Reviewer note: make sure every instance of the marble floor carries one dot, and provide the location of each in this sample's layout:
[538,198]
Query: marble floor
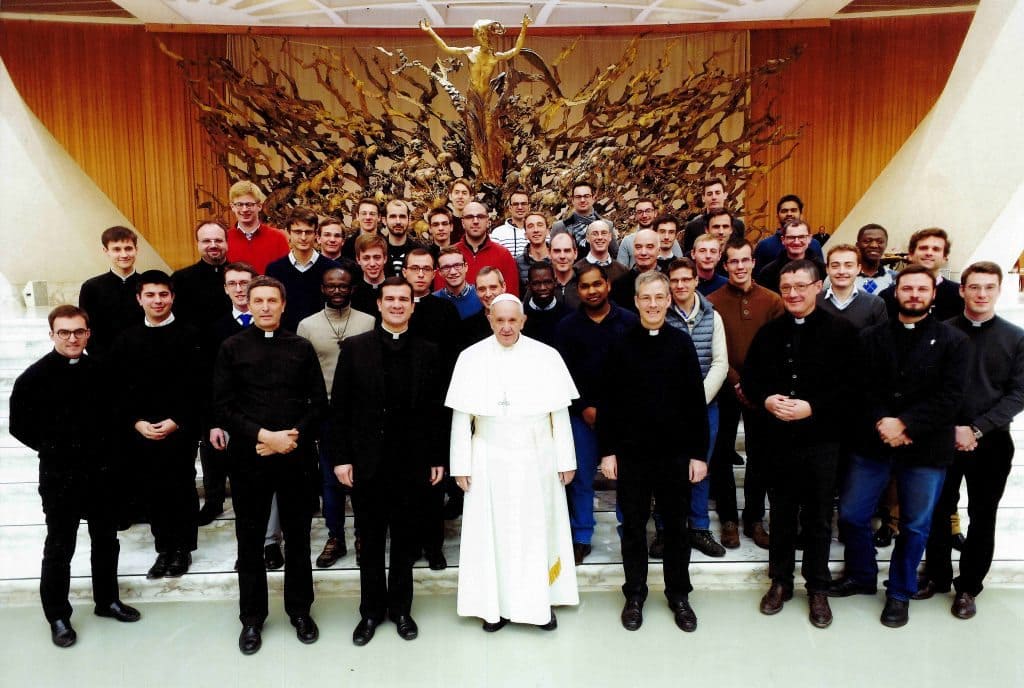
[190,644]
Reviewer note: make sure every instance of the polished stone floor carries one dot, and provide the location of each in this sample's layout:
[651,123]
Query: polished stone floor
[193,644]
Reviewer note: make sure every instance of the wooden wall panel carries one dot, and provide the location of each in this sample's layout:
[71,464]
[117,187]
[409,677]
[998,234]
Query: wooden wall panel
[120,108]
[861,87]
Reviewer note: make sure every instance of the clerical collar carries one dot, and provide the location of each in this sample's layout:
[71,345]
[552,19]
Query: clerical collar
[268,334]
[550,307]
[394,335]
[73,361]
[125,278]
[909,326]
[653,333]
[165,323]
[799,321]
[978,323]
[302,267]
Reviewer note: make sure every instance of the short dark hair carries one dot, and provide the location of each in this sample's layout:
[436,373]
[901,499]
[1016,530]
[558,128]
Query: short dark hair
[347,265]
[664,219]
[715,213]
[645,199]
[239,266]
[807,266]
[118,233]
[67,311]
[154,277]
[419,251]
[329,220]
[711,181]
[870,226]
[537,267]
[582,182]
[304,215]
[736,243]
[930,232]
[264,281]
[587,266]
[443,210]
[793,222]
[393,281]
[679,263]
[914,269]
[789,198]
[203,223]
[982,267]
[368,201]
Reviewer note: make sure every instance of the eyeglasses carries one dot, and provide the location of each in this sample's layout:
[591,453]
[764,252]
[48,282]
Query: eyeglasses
[419,269]
[336,287]
[245,205]
[800,237]
[793,288]
[474,217]
[644,211]
[302,232]
[237,285]
[452,267]
[78,334]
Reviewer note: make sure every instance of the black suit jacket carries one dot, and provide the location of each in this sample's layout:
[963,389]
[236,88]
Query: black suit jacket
[360,419]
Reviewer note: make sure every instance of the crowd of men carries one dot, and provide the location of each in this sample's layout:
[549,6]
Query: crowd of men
[315,362]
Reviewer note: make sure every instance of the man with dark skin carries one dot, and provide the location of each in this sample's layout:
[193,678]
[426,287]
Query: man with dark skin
[543,311]
[874,277]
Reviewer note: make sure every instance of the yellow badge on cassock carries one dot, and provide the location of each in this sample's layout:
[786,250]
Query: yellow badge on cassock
[555,571]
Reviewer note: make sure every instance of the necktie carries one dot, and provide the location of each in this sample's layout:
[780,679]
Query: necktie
[245,319]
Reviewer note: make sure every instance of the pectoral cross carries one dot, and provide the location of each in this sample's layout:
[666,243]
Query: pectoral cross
[504,401]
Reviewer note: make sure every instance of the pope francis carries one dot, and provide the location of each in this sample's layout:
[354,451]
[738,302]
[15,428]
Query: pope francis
[512,453]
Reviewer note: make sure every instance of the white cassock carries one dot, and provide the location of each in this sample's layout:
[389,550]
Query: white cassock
[511,435]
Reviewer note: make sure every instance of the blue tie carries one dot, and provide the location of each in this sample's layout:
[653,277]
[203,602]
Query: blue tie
[245,319]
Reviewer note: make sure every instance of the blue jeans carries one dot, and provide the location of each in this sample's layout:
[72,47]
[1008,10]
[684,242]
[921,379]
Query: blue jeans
[581,490]
[333,492]
[918,488]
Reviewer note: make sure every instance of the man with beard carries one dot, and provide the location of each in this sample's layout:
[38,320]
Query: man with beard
[480,251]
[326,330]
[915,368]
[583,339]
[930,248]
[199,296]
[399,242]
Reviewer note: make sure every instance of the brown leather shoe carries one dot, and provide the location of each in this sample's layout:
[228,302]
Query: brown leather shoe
[334,549]
[773,600]
[757,533]
[730,535]
[821,613]
[963,606]
[927,589]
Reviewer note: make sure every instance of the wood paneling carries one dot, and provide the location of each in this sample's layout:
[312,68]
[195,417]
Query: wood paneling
[860,88]
[120,108]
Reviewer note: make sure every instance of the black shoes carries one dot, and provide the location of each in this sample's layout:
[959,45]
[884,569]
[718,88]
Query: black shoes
[496,626]
[364,631]
[273,559]
[927,589]
[703,541]
[159,567]
[62,634]
[250,640]
[178,564]
[632,616]
[118,610]
[580,552]
[209,513]
[407,628]
[896,613]
[436,560]
[334,549]
[685,617]
[820,613]
[657,548]
[963,606]
[957,541]
[305,629]
[845,587]
[883,536]
[550,625]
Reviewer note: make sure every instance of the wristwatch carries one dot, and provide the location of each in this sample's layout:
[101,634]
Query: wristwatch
[977,433]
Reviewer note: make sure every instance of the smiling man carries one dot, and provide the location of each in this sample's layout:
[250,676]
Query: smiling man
[645,256]
[158,410]
[714,197]
[250,240]
[387,444]
[930,248]
[480,251]
[872,240]
[543,311]
[583,213]
[841,296]
[665,391]
[791,379]
[326,330]
[109,299]
[58,410]
[302,270]
[366,222]
[512,454]
[332,238]
[199,296]
[270,398]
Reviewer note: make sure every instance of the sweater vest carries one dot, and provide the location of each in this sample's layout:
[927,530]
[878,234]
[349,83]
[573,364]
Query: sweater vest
[702,333]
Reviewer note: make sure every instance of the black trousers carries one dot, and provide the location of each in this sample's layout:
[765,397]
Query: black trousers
[985,470]
[254,480]
[755,478]
[381,507]
[169,484]
[802,487]
[723,480]
[215,472]
[668,482]
[67,496]
[432,523]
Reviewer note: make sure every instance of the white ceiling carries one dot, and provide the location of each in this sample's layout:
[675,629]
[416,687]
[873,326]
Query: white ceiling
[461,13]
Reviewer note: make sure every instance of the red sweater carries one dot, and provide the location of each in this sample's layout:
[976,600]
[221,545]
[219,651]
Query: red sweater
[490,253]
[267,245]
